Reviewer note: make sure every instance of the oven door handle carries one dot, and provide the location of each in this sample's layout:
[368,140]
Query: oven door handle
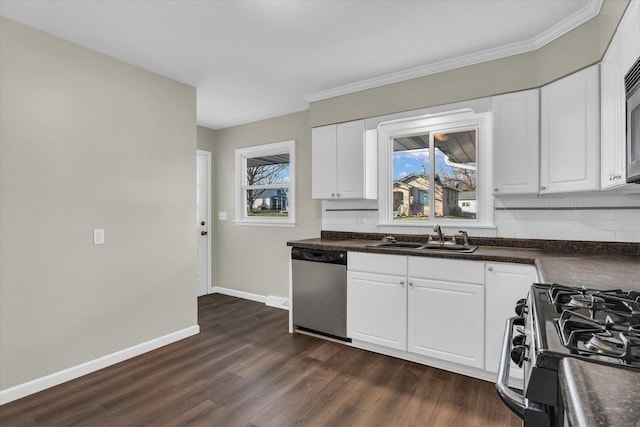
[515,401]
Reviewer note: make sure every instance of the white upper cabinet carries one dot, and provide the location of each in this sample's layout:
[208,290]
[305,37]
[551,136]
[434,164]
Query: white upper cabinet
[629,31]
[612,126]
[323,157]
[621,54]
[516,142]
[343,162]
[570,133]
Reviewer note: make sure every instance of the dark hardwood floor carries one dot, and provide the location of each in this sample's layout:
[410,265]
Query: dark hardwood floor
[245,369]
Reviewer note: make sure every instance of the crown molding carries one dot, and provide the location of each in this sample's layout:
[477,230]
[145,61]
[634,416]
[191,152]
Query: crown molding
[591,9]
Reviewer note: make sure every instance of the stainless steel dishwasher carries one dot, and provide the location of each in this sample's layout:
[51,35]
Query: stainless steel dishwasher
[319,282]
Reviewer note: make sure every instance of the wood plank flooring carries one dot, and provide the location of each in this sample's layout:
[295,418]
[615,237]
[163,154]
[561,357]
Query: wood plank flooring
[245,369]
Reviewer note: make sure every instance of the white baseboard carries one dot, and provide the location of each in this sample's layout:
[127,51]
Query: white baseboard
[238,294]
[271,301]
[42,383]
[277,302]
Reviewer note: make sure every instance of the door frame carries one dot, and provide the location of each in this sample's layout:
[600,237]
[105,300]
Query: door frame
[207,154]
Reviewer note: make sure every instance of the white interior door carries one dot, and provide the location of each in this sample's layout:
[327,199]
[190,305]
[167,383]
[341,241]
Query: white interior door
[203,208]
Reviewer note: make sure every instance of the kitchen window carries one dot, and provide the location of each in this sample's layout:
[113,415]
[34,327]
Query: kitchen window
[265,185]
[431,168]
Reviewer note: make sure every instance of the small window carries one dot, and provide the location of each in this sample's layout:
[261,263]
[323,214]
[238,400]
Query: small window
[265,184]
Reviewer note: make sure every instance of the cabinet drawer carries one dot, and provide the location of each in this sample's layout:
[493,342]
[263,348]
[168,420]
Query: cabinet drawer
[450,270]
[377,263]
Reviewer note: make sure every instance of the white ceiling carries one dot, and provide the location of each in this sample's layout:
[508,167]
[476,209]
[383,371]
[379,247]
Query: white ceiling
[251,60]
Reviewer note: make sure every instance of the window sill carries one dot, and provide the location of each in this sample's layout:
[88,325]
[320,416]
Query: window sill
[443,224]
[253,223]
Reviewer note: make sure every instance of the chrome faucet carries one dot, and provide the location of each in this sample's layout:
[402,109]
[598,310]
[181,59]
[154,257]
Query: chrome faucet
[465,236]
[437,229]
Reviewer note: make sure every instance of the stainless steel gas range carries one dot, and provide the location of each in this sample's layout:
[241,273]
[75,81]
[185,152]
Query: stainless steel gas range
[555,321]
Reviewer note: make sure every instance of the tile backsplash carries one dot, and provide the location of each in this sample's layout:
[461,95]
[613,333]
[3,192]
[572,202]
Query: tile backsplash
[597,216]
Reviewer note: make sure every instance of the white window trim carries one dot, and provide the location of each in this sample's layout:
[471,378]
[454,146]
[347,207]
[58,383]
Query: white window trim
[387,131]
[242,154]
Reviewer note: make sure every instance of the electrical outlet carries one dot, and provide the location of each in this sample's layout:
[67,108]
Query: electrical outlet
[98,236]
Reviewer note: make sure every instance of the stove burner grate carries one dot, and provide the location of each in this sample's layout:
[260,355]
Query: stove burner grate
[586,336]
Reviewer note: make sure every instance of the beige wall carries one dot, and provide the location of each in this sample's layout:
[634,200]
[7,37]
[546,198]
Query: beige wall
[90,142]
[577,49]
[256,259]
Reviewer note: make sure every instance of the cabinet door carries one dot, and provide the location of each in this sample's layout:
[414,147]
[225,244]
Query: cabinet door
[570,133]
[630,36]
[446,321]
[612,125]
[323,162]
[350,160]
[377,309]
[504,285]
[516,142]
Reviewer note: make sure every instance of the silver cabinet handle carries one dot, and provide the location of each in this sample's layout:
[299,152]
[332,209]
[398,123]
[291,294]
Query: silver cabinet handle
[542,187]
[490,268]
[333,194]
[410,283]
[338,194]
[496,189]
[402,282]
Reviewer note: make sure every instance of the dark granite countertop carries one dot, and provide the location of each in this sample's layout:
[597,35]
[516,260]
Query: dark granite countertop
[598,395]
[590,264]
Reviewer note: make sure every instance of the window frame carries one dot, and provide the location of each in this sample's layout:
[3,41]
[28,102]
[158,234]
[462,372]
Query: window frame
[242,154]
[437,123]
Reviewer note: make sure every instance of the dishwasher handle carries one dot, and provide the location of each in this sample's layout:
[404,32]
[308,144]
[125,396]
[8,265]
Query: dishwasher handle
[319,255]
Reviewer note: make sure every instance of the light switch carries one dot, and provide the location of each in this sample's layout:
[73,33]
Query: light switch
[222,215]
[98,236]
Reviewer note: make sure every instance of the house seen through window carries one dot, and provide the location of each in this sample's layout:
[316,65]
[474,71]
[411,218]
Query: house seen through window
[264,191]
[434,176]
[265,181]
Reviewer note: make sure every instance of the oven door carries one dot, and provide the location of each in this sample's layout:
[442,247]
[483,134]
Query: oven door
[533,414]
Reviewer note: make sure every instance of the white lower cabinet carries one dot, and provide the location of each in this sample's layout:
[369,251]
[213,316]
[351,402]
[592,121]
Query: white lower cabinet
[446,310]
[377,299]
[446,321]
[504,285]
[377,309]
[405,303]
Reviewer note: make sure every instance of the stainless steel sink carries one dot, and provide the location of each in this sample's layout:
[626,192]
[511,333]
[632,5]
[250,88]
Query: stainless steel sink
[400,245]
[447,247]
[467,249]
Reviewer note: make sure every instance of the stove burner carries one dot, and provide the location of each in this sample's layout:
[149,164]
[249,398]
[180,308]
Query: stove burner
[605,344]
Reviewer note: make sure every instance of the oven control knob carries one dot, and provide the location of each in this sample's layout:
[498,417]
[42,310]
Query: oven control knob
[519,340]
[518,354]
[521,307]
